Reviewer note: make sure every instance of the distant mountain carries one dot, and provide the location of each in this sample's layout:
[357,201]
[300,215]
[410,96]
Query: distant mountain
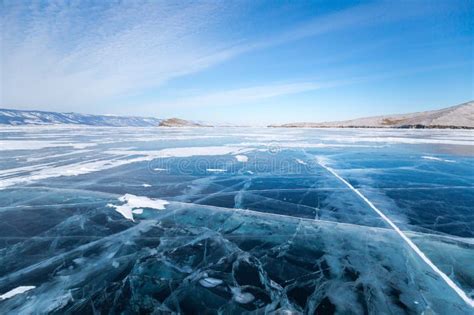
[460,116]
[176,122]
[33,117]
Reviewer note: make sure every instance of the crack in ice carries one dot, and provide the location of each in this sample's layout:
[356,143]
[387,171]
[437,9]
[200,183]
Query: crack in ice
[415,248]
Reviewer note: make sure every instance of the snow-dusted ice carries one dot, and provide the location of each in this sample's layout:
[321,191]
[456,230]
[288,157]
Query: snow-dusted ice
[133,204]
[212,220]
[16,291]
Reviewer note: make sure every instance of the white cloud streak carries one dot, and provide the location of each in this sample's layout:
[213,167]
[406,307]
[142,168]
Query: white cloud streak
[253,94]
[243,95]
[67,54]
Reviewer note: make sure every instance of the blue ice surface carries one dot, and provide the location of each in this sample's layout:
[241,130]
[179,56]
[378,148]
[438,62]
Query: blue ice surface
[274,232]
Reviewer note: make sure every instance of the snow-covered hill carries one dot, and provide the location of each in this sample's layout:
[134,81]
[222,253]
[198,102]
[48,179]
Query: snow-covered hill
[32,117]
[460,116]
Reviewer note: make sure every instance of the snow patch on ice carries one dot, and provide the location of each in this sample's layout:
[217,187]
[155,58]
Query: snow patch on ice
[182,152]
[242,158]
[397,140]
[133,204]
[9,145]
[301,162]
[16,291]
[123,157]
[305,145]
[55,156]
[215,170]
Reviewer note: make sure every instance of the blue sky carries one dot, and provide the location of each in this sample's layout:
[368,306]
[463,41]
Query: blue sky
[255,62]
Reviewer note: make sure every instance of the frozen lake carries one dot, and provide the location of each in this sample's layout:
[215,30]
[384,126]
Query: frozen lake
[235,220]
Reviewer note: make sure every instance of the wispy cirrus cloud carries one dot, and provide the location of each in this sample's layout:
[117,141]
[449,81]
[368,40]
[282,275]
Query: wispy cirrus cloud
[244,95]
[62,53]
[253,94]
[65,54]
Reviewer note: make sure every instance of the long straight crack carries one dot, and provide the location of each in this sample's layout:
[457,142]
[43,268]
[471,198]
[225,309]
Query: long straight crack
[415,248]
